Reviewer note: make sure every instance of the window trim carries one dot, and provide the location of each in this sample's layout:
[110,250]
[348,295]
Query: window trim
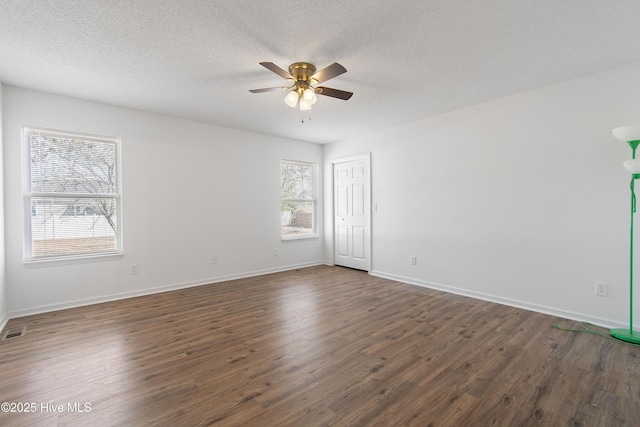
[27,195]
[313,200]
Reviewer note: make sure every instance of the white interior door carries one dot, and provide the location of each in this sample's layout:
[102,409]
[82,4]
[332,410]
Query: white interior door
[352,233]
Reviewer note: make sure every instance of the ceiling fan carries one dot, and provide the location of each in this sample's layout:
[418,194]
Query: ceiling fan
[303,83]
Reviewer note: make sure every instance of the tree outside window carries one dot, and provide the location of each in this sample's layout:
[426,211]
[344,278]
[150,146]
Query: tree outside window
[297,213]
[72,194]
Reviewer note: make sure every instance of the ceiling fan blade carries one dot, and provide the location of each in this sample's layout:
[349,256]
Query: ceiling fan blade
[268,89]
[279,71]
[334,93]
[329,72]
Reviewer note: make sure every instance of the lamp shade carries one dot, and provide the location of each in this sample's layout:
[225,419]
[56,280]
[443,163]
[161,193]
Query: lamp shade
[310,96]
[627,133]
[632,166]
[304,105]
[291,99]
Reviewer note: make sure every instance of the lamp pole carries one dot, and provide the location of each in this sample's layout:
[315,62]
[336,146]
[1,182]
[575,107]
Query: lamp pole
[631,135]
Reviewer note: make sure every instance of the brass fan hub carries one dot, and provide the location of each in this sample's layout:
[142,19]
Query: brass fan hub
[302,71]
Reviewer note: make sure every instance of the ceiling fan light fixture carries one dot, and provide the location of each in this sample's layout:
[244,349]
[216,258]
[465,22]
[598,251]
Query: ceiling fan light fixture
[304,105]
[309,96]
[302,80]
[291,99]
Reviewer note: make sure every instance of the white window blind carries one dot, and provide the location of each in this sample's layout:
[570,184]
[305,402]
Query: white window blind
[72,196]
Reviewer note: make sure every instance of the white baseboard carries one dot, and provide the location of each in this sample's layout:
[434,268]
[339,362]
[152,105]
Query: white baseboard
[408,280]
[149,291]
[607,323]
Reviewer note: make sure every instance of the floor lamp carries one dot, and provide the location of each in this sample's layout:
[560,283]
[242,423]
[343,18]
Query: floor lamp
[630,135]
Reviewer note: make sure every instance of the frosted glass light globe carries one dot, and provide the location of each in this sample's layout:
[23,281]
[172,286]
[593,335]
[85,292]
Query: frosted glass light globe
[304,105]
[291,99]
[627,133]
[632,166]
[310,96]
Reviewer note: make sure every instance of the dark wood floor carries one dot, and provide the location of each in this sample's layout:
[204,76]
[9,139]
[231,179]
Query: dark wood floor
[318,346]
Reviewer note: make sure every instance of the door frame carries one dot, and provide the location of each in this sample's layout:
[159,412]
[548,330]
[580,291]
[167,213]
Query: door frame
[367,158]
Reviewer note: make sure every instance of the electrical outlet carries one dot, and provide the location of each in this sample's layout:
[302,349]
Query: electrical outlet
[133,269]
[275,252]
[214,259]
[602,289]
[412,260]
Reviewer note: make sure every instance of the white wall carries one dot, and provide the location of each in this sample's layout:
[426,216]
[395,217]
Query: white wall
[522,200]
[3,287]
[190,190]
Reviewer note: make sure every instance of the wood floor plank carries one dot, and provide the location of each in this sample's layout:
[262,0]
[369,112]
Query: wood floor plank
[320,346]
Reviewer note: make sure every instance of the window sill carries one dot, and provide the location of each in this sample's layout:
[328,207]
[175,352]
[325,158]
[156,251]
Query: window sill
[299,237]
[76,259]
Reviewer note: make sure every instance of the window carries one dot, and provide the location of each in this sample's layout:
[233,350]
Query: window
[72,195]
[297,212]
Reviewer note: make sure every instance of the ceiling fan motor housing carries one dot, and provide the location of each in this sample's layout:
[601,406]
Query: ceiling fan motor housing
[302,71]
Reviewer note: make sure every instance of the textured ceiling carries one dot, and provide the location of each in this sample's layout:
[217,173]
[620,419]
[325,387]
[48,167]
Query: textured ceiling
[406,59]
